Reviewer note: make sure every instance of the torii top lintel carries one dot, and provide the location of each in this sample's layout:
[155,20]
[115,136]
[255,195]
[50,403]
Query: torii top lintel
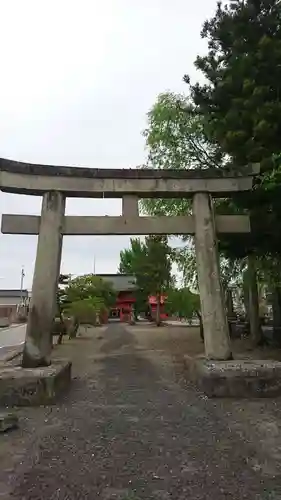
[27,178]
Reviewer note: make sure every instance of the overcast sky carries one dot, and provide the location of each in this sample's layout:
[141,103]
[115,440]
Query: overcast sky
[77,79]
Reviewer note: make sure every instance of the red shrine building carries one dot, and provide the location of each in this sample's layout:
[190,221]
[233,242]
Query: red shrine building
[125,287]
[152,300]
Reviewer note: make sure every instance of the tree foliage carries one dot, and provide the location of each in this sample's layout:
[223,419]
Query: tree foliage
[90,286]
[243,69]
[183,302]
[157,264]
[131,260]
[87,310]
[87,297]
[150,262]
[130,257]
[64,280]
[241,99]
[231,270]
[176,135]
[177,138]
[62,304]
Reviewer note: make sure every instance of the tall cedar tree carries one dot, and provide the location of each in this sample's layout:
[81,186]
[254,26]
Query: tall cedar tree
[242,100]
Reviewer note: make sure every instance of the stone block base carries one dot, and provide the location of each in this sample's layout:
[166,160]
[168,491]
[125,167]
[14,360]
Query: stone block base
[33,386]
[237,378]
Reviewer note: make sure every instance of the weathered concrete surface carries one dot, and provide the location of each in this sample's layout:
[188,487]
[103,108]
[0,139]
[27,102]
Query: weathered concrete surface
[124,173]
[8,421]
[216,334]
[38,343]
[132,429]
[130,206]
[33,386]
[131,224]
[238,378]
[16,177]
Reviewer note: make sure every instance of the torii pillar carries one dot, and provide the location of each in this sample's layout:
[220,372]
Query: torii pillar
[38,342]
[216,332]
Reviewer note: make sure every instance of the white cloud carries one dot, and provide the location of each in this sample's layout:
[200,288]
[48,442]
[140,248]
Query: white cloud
[77,79]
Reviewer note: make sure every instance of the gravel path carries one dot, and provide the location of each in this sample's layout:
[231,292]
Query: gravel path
[129,430]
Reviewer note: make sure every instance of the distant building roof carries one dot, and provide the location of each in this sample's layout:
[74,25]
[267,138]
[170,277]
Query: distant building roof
[13,293]
[120,282]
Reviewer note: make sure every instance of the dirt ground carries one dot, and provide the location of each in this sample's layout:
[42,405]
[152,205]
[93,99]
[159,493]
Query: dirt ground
[133,427]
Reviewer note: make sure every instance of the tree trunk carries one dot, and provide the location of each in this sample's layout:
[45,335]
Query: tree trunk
[229,304]
[158,308]
[62,332]
[200,325]
[253,297]
[73,333]
[246,296]
[275,297]
[63,329]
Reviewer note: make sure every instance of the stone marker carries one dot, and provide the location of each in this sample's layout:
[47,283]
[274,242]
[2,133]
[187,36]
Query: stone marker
[8,421]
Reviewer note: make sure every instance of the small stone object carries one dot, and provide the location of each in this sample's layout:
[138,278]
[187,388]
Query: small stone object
[8,421]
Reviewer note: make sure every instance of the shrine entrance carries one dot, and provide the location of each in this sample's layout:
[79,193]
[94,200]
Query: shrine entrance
[114,313]
[54,184]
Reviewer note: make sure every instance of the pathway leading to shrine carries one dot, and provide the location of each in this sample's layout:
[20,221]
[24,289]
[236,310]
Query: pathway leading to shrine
[133,428]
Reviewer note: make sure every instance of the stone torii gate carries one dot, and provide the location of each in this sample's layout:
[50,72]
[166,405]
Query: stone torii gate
[54,184]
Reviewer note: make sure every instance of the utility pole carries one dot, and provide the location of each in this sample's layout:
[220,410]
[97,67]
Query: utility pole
[21,282]
[94,265]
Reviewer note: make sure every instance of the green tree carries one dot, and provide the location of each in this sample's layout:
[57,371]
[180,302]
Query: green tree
[150,262]
[90,286]
[157,268]
[177,138]
[231,269]
[89,293]
[270,279]
[62,303]
[87,311]
[185,304]
[131,260]
[239,108]
[241,100]
[243,68]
